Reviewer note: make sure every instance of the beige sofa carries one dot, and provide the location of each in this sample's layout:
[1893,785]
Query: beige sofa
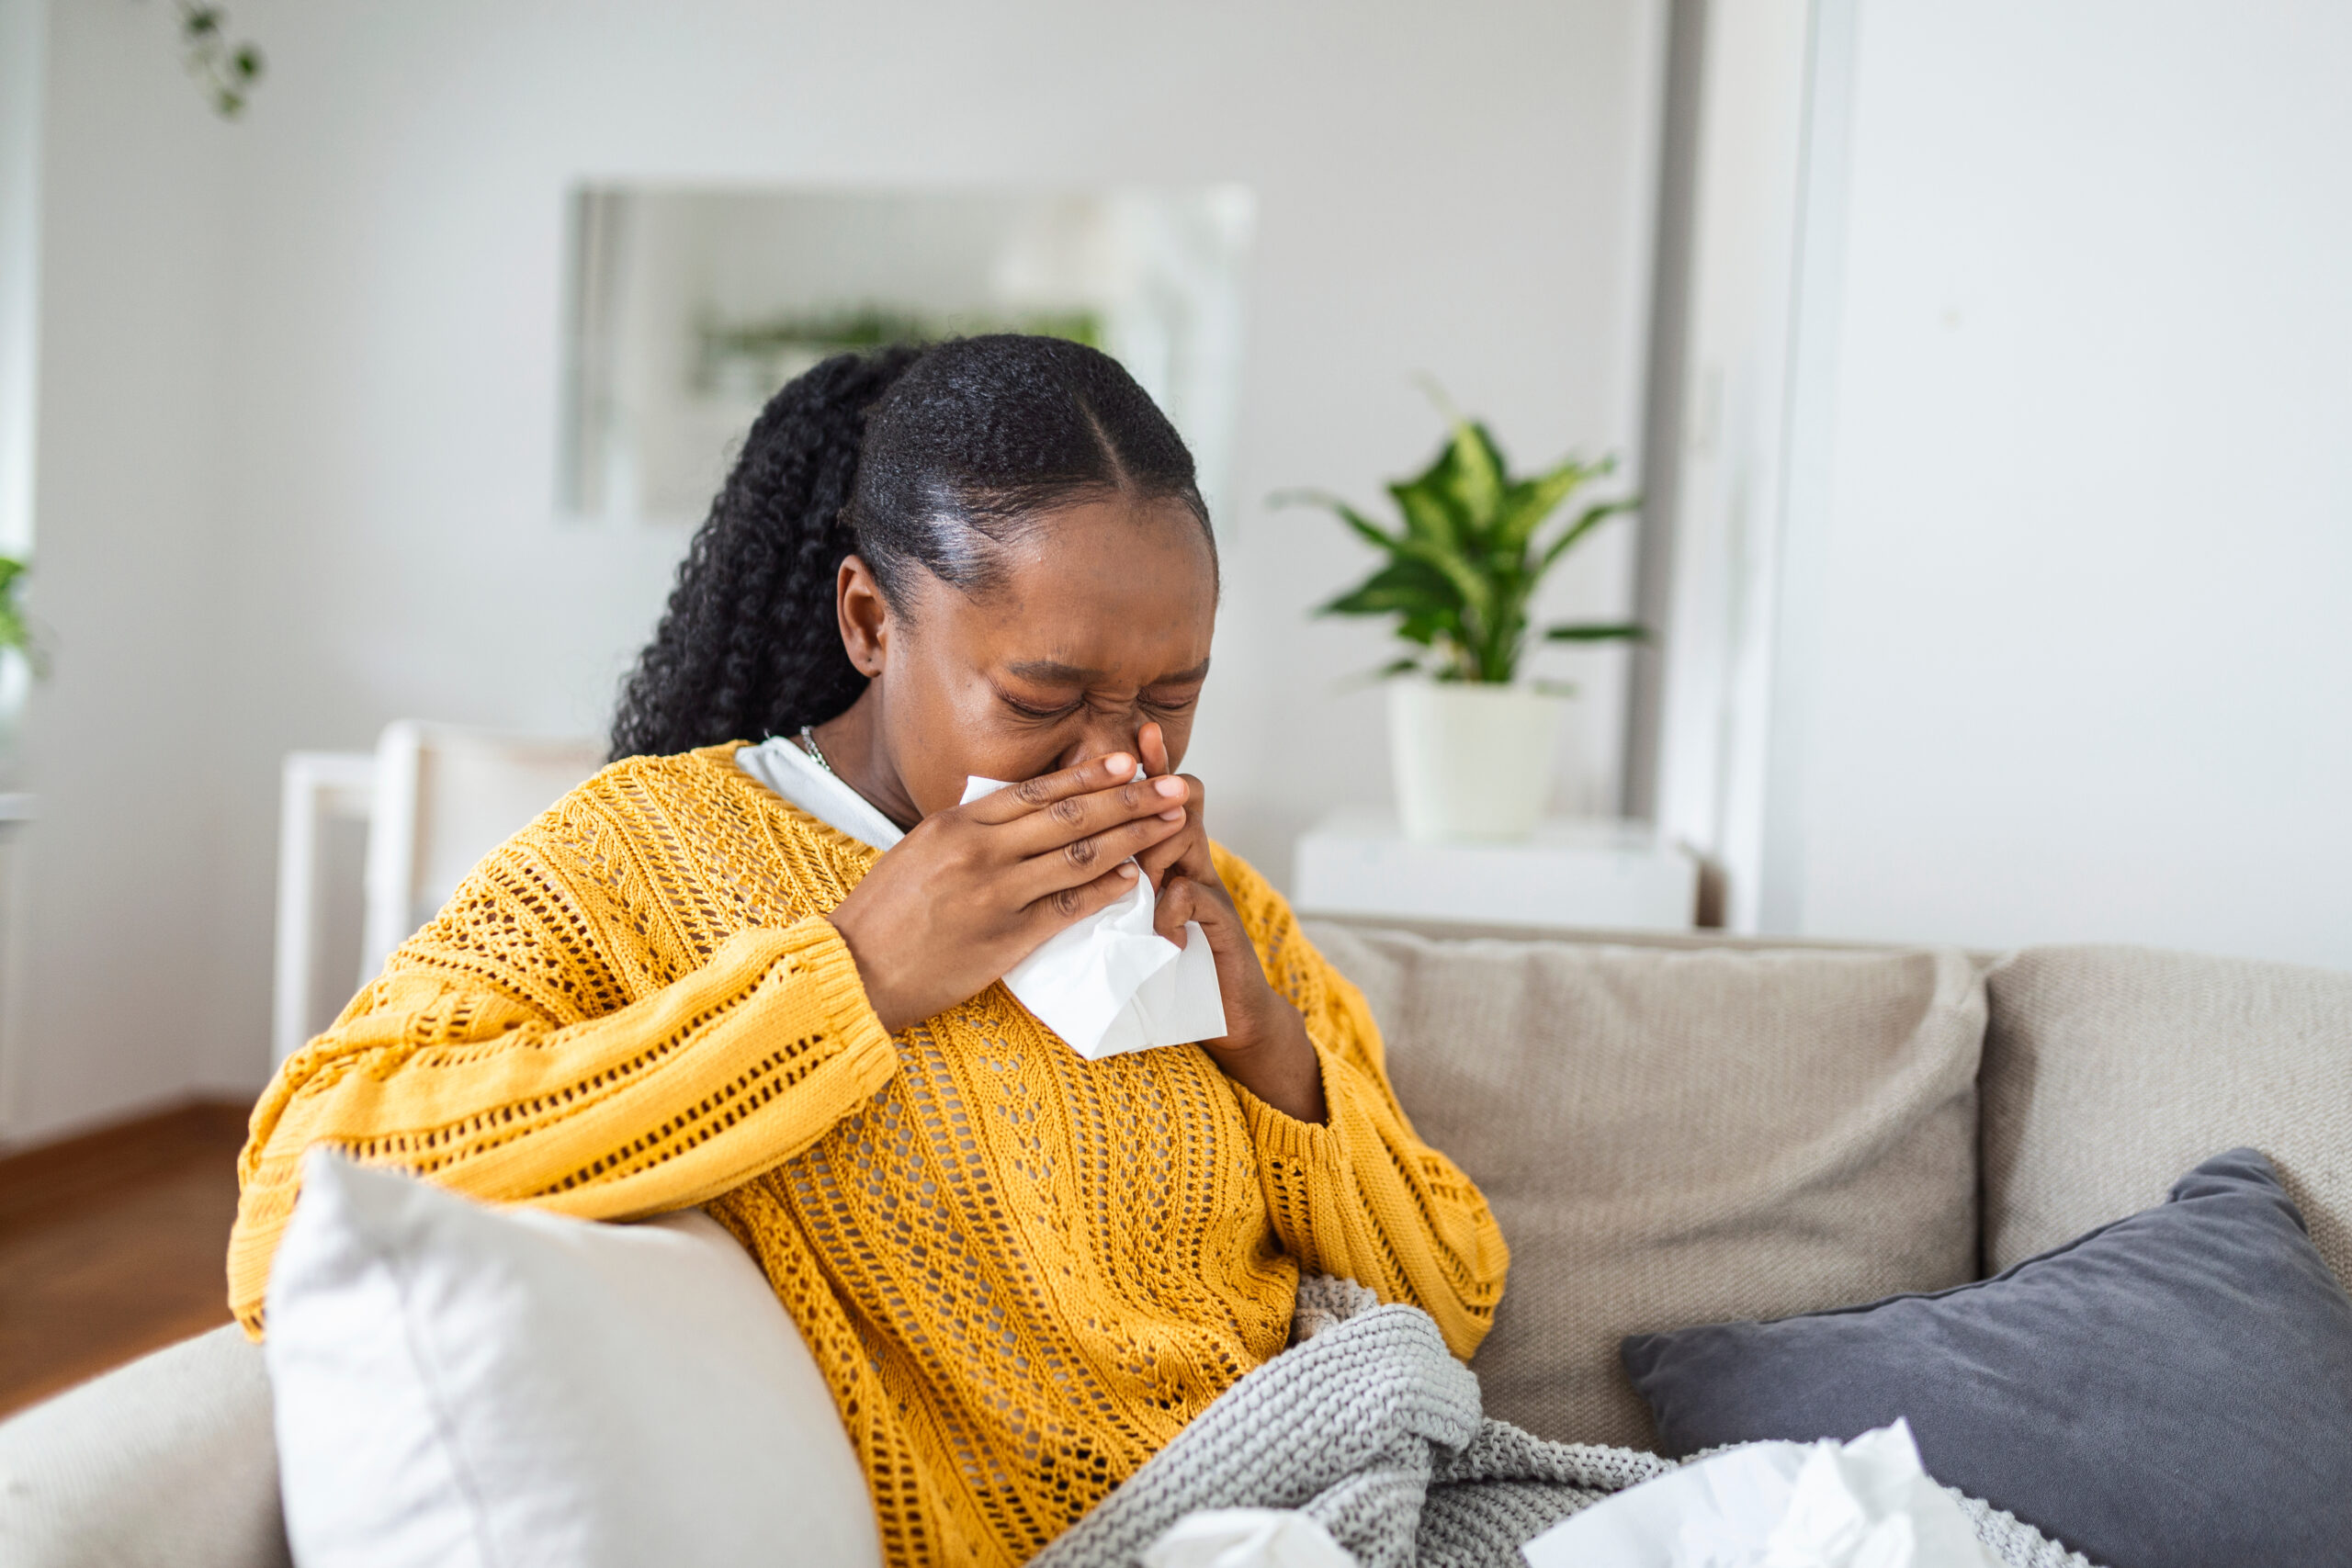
[1668,1136]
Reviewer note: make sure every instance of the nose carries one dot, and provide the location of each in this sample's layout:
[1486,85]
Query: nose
[1101,735]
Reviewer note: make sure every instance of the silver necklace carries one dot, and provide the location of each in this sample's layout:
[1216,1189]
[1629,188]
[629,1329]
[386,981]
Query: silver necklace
[808,744]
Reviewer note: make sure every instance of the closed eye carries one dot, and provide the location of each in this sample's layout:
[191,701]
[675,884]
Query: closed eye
[1030,710]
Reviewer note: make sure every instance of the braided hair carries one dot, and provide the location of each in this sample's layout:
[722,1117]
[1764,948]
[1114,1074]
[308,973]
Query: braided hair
[930,459]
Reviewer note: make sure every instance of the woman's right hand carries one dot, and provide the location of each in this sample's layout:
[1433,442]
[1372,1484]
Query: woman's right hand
[972,892]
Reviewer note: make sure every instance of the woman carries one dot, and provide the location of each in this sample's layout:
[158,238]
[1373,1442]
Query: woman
[1021,1271]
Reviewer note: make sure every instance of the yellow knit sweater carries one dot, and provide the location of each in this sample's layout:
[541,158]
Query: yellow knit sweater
[1022,1272]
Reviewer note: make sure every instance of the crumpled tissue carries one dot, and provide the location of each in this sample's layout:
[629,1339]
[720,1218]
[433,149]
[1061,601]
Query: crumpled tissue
[1867,1503]
[1112,984]
[1245,1538]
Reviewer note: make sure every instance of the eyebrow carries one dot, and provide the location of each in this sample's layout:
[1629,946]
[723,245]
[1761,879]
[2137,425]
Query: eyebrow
[1053,672]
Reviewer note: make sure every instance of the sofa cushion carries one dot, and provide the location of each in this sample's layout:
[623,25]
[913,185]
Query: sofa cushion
[167,1462]
[1678,1137]
[2110,1070]
[2170,1390]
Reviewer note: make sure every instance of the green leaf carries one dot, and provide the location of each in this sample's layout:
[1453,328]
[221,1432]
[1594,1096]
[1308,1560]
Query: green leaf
[1371,532]
[1469,475]
[1432,545]
[1404,587]
[1475,591]
[1425,626]
[1599,631]
[1339,508]
[1474,477]
[1591,518]
[15,631]
[1428,511]
[1527,503]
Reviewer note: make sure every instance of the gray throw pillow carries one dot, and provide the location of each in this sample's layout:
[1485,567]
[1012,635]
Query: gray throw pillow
[2171,1390]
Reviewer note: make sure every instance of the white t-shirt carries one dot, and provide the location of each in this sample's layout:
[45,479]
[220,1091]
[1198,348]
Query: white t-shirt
[780,763]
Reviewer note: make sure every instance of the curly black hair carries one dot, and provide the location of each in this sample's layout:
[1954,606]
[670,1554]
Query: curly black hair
[932,458]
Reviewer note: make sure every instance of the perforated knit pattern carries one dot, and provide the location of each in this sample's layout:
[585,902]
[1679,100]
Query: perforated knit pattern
[1022,1273]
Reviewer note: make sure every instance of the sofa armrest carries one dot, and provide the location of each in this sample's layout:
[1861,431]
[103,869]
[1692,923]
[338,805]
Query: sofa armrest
[2111,1070]
[168,1460]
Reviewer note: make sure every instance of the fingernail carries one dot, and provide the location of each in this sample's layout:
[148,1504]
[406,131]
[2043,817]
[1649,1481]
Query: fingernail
[1176,815]
[1170,787]
[1128,869]
[1118,764]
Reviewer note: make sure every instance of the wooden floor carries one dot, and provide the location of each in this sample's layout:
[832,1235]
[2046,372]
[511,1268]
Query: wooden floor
[112,1245]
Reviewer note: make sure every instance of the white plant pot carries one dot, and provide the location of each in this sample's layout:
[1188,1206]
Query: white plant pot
[1472,761]
[16,687]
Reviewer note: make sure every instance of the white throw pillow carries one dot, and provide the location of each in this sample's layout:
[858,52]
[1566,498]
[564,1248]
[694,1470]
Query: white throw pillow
[470,1387]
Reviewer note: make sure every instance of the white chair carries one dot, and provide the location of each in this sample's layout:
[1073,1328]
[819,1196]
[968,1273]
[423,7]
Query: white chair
[322,796]
[435,798]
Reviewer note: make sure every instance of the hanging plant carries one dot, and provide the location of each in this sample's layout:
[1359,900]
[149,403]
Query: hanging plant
[227,70]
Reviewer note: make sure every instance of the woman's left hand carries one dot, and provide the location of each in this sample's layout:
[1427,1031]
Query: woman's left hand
[1265,1047]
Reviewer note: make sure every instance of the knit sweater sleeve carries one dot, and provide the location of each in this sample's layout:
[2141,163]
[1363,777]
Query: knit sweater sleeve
[1361,1196]
[552,1039]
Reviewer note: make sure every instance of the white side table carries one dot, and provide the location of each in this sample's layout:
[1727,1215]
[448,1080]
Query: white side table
[1595,875]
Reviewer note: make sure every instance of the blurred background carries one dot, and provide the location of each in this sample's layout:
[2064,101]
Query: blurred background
[1983,370]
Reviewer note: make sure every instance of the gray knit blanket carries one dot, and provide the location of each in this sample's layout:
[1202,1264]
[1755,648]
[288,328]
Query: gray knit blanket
[1369,1425]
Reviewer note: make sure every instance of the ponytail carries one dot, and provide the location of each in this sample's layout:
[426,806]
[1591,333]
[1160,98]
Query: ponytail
[928,460]
[749,646]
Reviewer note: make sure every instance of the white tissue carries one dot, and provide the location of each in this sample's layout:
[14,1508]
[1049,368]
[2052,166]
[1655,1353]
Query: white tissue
[1111,982]
[1866,1504]
[1245,1538]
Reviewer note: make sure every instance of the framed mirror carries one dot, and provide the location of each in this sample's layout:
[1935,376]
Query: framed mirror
[690,306]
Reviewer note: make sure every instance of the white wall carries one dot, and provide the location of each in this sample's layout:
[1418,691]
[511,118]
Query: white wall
[24,49]
[299,403]
[124,1000]
[2077,585]
[24,25]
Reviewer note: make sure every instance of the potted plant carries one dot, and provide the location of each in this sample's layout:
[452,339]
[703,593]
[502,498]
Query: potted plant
[1470,742]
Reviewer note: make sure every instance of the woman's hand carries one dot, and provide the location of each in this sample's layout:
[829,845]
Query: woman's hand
[1265,1047]
[972,892]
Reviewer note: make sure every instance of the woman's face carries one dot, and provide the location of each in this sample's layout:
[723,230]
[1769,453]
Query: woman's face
[1099,623]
